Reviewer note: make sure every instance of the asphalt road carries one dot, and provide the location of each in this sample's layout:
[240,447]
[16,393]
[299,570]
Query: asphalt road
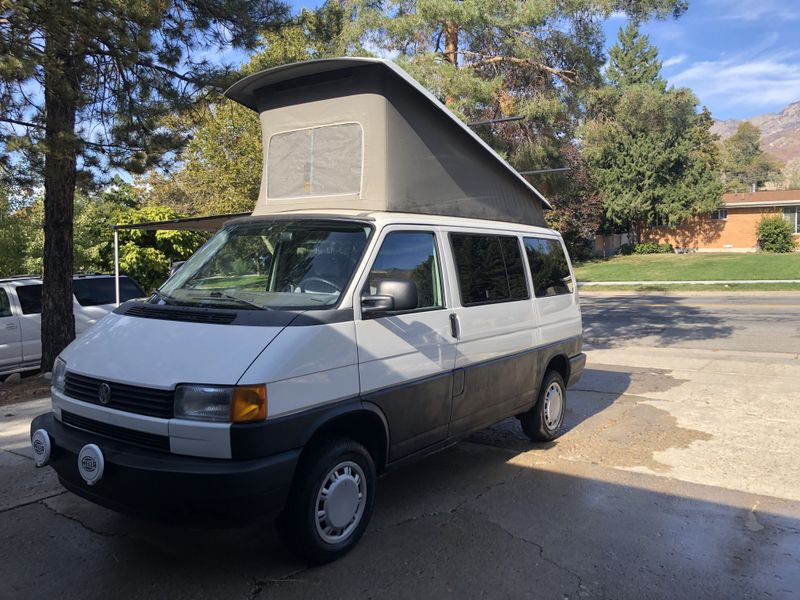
[677,477]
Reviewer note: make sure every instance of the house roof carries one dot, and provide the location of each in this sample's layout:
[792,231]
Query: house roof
[761,199]
[246,92]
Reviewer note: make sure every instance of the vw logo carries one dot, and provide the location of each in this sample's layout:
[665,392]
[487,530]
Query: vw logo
[104,393]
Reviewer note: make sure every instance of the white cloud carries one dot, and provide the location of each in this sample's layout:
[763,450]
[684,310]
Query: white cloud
[674,60]
[753,10]
[748,80]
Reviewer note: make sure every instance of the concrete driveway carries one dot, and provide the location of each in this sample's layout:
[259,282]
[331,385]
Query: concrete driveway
[678,477]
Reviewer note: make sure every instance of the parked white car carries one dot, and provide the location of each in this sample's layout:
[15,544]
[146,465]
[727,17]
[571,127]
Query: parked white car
[21,314]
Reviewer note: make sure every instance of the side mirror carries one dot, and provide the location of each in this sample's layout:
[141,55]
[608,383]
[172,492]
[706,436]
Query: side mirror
[391,295]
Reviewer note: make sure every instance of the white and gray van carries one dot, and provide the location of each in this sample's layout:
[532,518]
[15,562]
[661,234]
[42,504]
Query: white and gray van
[305,350]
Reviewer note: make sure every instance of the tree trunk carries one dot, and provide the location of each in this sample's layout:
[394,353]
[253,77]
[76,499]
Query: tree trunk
[451,42]
[451,51]
[58,322]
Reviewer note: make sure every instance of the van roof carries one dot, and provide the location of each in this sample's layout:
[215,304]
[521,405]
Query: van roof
[383,218]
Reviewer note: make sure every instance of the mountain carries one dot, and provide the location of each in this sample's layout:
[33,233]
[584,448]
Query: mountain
[780,133]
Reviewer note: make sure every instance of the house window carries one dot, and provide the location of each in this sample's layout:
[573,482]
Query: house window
[792,215]
[720,214]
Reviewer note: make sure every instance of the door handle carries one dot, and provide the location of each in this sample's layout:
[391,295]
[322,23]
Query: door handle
[455,326]
[11,326]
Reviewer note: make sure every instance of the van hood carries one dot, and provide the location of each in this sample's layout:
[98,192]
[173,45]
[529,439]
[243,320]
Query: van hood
[160,354]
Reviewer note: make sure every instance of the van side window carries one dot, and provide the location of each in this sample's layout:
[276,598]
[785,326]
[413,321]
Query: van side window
[30,298]
[410,255]
[549,268]
[489,268]
[5,305]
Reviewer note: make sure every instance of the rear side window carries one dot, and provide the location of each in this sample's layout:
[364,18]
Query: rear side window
[5,305]
[410,255]
[30,298]
[489,268]
[94,292]
[549,268]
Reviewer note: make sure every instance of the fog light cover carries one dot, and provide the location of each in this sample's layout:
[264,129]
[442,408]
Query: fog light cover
[40,442]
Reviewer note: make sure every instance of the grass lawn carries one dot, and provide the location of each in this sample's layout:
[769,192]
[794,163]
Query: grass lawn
[691,267]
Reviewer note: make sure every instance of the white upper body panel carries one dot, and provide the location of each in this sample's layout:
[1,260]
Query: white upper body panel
[161,354]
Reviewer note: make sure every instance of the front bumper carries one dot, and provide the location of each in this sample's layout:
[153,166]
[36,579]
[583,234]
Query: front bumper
[168,486]
[576,365]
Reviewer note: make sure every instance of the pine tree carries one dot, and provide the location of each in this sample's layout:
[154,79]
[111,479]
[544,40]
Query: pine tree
[651,152]
[84,89]
[633,61]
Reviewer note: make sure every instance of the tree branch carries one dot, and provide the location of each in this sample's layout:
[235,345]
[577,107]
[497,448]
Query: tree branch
[565,74]
[22,123]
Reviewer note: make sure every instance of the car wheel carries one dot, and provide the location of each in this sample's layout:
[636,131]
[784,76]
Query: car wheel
[543,422]
[331,501]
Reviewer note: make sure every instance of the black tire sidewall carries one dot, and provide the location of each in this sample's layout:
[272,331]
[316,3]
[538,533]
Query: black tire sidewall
[299,521]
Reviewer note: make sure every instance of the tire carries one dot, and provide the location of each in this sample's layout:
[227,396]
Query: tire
[318,529]
[540,423]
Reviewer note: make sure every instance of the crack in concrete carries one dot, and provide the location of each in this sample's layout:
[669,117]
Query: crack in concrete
[29,503]
[75,519]
[260,584]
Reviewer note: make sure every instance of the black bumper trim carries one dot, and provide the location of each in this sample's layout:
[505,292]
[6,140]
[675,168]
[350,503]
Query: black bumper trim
[168,486]
[576,365]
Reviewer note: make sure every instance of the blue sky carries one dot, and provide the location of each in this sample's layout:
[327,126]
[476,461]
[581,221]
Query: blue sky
[741,57]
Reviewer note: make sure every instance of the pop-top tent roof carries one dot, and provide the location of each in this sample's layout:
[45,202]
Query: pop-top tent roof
[360,133]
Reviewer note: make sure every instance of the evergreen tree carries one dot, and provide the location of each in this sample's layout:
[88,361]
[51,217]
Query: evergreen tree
[650,151]
[85,85]
[633,61]
[745,166]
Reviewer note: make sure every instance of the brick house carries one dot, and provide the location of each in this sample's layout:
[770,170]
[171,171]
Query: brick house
[732,228]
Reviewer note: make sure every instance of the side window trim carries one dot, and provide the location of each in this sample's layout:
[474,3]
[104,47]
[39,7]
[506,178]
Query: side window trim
[7,303]
[441,265]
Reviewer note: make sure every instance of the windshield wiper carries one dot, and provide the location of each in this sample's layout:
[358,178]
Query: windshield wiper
[227,296]
[165,298]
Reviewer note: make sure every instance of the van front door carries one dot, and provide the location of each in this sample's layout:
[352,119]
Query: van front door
[406,357]
[10,336]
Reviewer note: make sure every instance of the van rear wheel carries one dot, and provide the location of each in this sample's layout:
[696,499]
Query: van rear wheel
[331,501]
[543,422]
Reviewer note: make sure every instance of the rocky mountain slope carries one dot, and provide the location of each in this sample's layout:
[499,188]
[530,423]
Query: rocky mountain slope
[780,133]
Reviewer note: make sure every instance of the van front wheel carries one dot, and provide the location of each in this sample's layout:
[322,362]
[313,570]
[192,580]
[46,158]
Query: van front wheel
[543,422]
[331,501]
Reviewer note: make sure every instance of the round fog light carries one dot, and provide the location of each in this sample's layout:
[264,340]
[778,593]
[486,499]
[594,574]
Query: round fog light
[40,442]
[91,463]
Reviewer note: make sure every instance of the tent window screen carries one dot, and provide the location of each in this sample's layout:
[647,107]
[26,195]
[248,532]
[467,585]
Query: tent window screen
[319,161]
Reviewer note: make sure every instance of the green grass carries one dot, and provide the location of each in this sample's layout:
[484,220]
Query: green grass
[691,267]
[689,287]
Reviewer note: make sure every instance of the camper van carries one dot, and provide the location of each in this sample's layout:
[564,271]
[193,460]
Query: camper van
[395,290]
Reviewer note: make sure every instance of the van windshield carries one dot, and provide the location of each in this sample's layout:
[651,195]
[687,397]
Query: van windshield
[270,265]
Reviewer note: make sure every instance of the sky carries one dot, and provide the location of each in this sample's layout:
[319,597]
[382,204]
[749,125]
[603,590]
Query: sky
[741,57]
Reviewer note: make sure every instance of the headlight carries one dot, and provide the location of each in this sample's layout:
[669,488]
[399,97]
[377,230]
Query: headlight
[59,374]
[225,404]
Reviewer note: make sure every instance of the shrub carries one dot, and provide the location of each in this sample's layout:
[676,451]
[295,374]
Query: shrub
[652,248]
[775,235]
[625,249]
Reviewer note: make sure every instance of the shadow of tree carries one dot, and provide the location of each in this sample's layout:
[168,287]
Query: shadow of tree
[615,320]
[698,232]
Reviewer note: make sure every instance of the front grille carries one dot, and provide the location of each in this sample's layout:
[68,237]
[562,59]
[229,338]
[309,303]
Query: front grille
[176,314]
[114,432]
[130,398]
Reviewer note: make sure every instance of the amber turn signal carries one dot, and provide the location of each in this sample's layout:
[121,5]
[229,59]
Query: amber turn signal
[249,403]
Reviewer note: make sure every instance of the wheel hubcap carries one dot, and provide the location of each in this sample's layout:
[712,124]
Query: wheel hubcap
[340,502]
[553,406]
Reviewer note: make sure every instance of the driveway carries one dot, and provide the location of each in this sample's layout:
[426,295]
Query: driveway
[677,477]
